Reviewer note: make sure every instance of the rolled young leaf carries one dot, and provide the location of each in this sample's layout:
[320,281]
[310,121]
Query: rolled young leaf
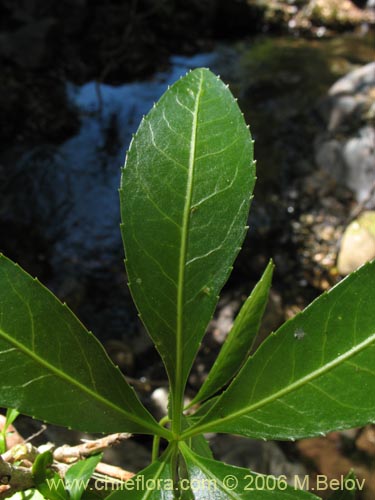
[314,375]
[185,196]
[240,340]
[53,369]
[213,480]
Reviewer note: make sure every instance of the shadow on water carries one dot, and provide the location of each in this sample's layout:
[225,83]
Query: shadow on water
[60,215]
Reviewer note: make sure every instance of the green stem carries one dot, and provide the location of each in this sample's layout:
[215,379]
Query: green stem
[155,448]
[156,440]
[174,469]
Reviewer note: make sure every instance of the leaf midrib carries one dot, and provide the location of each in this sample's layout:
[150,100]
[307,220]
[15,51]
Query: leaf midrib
[67,378]
[199,429]
[178,393]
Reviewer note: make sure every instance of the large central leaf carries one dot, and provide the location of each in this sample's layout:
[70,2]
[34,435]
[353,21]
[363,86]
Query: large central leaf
[185,196]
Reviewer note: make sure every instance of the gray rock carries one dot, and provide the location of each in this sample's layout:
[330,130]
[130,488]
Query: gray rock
[356,81]
[346,149]
[359,158]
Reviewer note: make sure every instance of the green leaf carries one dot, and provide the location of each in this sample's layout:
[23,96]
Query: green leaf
[79,474]
[48,482]
[240,340]
[41,467]
[185,195]
[316,374]
[153,483]
[198,444]
[10,417]
[53,369]
[53,488]
[213,480]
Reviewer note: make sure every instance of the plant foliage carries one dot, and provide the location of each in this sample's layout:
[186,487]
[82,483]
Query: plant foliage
[185,195]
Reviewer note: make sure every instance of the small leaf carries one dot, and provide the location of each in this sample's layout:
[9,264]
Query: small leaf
[79,474]
[41,467]
[48,482]
[213,480]
[316,374]
[185,196]
[10,417]
[53,369]
[240,340]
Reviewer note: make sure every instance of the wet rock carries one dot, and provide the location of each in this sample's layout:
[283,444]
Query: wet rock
[346,150]
[358,243]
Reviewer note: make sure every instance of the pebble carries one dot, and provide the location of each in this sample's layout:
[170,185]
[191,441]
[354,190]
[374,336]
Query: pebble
[358,243]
